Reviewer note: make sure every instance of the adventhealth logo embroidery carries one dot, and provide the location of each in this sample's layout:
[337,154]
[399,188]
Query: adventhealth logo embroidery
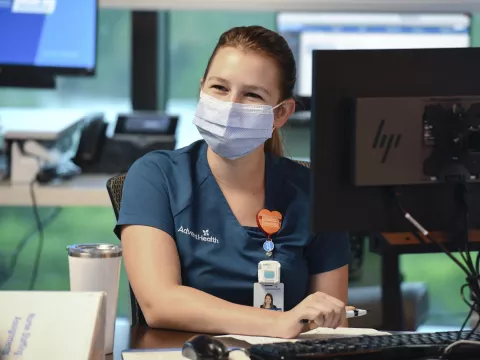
[205,237]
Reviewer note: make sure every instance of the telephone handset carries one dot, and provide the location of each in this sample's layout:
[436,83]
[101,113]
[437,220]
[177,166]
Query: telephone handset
[92,141]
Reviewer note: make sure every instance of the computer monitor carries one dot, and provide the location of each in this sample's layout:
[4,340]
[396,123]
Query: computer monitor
[47,37]
[350,31]
[390,121]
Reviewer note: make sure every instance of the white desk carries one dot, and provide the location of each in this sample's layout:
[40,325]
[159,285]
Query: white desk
[85,190]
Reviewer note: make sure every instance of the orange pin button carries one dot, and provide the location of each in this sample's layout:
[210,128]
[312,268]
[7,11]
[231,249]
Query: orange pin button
[269,222]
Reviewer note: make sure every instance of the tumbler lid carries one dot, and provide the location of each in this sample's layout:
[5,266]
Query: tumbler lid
[94,250]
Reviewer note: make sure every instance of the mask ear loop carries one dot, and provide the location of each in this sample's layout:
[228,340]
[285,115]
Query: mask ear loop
[278,105]
[275,107]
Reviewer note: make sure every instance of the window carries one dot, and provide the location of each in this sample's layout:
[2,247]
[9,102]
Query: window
[193,36]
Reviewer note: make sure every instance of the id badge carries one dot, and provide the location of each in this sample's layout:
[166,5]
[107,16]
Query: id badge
[268,297]
[269,272]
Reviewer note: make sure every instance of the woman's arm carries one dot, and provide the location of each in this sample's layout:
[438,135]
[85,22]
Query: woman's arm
[328,257]
[333,283]
[153,268]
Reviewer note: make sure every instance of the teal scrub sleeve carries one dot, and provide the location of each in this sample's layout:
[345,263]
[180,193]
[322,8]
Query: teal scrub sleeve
[328,251]
[145,199]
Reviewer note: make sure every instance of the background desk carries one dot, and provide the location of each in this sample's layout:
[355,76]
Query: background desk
[84,190]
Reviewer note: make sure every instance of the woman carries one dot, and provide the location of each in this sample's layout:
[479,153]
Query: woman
[268,302]
[188,220]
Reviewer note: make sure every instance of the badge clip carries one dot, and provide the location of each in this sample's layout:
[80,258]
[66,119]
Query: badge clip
[269,272]
[270,223]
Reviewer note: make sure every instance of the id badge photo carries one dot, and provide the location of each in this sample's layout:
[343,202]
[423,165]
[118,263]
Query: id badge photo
[269,297]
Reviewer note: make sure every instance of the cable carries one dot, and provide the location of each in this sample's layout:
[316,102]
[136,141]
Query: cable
[41,237]
[26,239]
[8,269]
[465,322]
[425,233]
[477,263]
[470,270]
[39,229]
[462,195]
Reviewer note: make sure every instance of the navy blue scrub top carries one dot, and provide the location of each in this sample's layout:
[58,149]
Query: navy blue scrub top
[175,191]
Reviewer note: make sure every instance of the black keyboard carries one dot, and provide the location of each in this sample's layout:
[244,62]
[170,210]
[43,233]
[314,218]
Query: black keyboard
[392,347]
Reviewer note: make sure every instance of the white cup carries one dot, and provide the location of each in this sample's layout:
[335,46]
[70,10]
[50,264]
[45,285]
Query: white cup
[96,267]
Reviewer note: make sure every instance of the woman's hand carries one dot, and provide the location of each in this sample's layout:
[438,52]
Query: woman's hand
[321,309]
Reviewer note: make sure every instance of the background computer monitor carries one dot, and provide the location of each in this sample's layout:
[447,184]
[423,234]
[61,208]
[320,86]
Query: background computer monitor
[340,77]
[49,36]
[306,32]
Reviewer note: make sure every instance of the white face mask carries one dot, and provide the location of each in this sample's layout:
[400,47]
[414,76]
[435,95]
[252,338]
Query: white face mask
[233,130]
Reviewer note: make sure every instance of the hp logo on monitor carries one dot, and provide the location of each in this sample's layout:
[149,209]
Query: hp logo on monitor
[385,141]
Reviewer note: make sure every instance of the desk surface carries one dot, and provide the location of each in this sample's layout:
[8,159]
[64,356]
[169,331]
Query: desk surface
[84,190]
[144,338]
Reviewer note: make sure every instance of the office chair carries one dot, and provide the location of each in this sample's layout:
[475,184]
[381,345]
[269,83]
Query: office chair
[115,187]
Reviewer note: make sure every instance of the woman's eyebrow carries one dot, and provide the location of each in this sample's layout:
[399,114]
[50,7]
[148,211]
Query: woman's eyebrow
[257,88]
[219,79]
[249,87]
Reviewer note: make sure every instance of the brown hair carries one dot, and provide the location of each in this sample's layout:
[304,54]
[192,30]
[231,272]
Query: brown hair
[273,45]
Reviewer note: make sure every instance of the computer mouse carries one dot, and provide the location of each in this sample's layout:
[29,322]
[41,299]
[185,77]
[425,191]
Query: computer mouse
[464,350]
[204,347]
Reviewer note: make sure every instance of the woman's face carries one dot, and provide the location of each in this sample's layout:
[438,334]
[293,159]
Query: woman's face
[268,300]
[242,77]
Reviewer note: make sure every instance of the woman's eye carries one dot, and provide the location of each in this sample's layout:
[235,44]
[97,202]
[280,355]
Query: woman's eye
[219,87]
[256,96]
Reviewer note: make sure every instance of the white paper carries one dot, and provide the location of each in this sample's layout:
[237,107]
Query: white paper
[152,355]
[170,355]
[52,325]
[317,333]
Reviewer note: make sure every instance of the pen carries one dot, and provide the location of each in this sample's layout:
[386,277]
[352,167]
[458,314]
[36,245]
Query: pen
[350,314]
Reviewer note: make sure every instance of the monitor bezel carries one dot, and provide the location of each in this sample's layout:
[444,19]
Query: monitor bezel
[53,71]
[336,203]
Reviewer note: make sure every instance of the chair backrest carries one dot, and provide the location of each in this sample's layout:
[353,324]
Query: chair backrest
[115,188]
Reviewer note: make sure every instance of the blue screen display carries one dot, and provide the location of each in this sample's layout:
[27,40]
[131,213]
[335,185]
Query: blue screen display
[48,33]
